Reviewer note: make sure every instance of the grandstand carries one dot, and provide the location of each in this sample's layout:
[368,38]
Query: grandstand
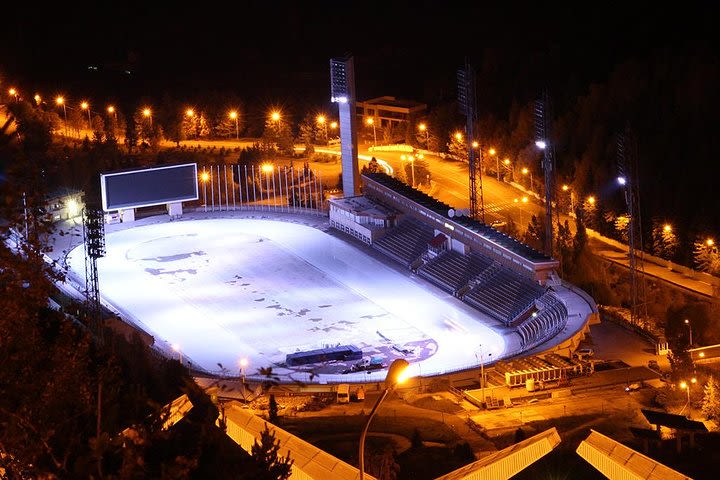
[452,271]
[406,242]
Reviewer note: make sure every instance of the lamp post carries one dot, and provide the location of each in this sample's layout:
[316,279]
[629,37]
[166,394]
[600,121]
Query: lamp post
[371,121]
[234,116]
[493,153]
[37,98]
[506,162]
[687,322]
[147,113]
[176,348]
[243,363]
[204,176]
[61,101]
[321,120]
[86,106]
[13,93]
[394,377]
[526,171]
[686,386]
[423,128]
[411,159]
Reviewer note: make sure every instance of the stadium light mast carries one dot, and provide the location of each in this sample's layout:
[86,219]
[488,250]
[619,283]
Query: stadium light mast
[466,102]
[542,134]
[94,240]
[629,182]
[342,92]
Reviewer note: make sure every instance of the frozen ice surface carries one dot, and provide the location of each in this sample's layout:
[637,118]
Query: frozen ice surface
[225,289]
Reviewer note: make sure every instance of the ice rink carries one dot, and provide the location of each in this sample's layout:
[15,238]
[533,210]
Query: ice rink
[226,289]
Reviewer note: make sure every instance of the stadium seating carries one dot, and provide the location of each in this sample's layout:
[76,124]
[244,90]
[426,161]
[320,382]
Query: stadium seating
[503,294]
[406,242]
[452,270]
[548,321]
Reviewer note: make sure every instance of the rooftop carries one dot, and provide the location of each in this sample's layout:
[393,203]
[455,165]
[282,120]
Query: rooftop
[444,209]
[361,205]
[389,101]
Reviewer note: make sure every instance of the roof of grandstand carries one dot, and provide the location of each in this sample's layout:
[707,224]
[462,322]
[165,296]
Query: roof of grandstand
[442,209]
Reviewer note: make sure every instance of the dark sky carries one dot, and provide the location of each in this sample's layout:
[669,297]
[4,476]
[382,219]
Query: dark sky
[262,50]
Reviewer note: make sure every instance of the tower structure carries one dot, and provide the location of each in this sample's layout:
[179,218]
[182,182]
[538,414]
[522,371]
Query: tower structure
[542,134]
[629,182]
[466,102]
[342,92]
[94,240]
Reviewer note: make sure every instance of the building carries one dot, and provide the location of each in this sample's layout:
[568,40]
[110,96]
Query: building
[64,204]
[390,111]
[360,217]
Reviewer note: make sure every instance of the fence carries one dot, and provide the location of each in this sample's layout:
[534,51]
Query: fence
[264,187]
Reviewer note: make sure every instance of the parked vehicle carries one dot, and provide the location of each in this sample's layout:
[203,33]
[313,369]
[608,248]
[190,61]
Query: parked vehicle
[583,353]
[343,393]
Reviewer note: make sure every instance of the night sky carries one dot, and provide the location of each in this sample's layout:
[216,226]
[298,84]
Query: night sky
[266,50]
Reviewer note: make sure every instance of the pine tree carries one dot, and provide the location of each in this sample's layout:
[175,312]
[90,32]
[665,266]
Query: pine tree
[273,410]
[457,146]
[266,455]
[711,400]
[706,256]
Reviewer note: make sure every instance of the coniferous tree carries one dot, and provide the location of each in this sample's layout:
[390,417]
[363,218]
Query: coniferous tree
[266,454]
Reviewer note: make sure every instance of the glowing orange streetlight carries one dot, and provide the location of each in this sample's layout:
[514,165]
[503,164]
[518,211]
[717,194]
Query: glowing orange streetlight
[86,106]
[591,200]
[458,136]
[147,113]
[234,116]
[189,113]
[37,98]
[423,128]
[322,120]
[275,116]
[667,228]
[475,144]
[267,168]
[709,242]
[333,125]
[13,93]
[565,188]
[371,121]
[59,100]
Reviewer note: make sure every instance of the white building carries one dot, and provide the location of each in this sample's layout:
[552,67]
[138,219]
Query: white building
[361,217]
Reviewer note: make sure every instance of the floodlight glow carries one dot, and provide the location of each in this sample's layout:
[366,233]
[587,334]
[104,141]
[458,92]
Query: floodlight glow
[475,144]
[190,112]
[369,121]
[342,99]
[667,228]
[492,151]
[59,100]
[204,176]
[275,116]
[525,171]
[233,114]
[321,119]
[111,109]
[422,127]
[710,242]
[84,105]
[37,98]
[524,199]
[458,136]
[622,180]
[565,188]
[73,209]
[146,112]
[541,144]
[333,125]
[12,92]
[702,354]
[506,161]
[591,200]
[243,362]
[176,347]
[267,167]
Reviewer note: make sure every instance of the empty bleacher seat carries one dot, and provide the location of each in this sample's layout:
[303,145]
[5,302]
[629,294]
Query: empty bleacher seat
[452,270]
[406,242]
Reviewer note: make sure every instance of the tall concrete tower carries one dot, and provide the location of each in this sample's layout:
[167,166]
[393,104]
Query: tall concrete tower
[342,92]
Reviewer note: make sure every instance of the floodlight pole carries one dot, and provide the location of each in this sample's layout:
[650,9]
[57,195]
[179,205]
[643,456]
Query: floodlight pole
[361,450]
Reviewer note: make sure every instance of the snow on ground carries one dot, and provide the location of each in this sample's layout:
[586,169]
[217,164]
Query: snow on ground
[226,289]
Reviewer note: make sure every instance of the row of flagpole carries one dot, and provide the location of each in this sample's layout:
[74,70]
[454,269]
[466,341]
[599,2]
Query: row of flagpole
[300,192]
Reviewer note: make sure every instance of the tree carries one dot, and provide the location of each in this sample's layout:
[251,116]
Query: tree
[457,146]
[265,453]
[564,246]
[372,167]
[711,399]
[307,134]
[535,234]
[706,256]
[273,410]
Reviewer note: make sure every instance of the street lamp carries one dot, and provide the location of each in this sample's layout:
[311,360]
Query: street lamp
[275,116]
[322,120]
[234,116]
[411,159]
[205,177]
[243,363]
[371,121]
[423,128]
[709,242]
[687,322]
[686,386]
[525,171]
[493,153]
[591,200]
[458,136]
[506,162]
[13,93]
[176,348]
[189,113]
[86,106]
[61,101]
[147,113]
[37,98]
[475,144]
[395,376]
[333,125]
